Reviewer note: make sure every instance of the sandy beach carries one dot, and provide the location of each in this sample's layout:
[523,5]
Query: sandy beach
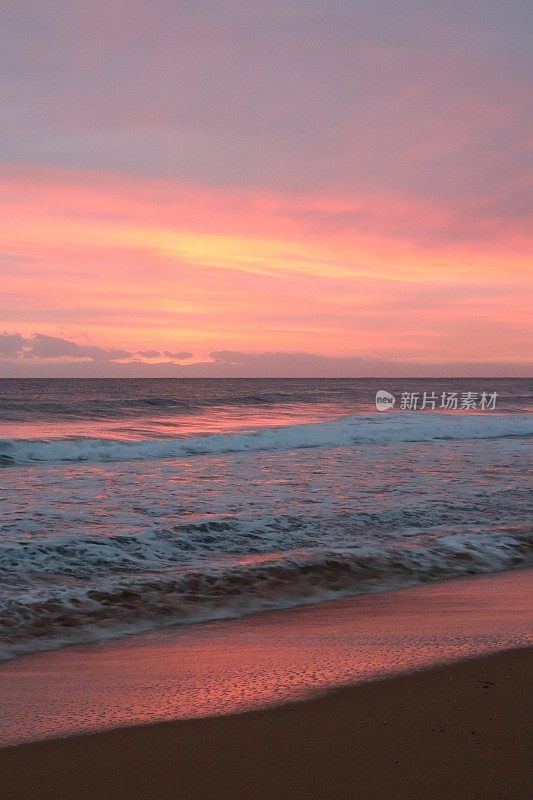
[266,400]
[393,695]
[453,732]
[230,666]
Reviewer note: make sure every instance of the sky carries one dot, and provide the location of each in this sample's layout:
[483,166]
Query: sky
[283,187]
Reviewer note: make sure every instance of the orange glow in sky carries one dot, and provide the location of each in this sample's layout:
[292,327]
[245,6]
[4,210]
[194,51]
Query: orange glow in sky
[330,180]
[156,266]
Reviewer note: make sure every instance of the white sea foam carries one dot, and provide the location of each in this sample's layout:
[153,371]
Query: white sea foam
[102,536]
[348,431]
[44,618]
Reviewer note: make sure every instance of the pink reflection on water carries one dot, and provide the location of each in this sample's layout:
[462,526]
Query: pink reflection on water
[217,419]
[265,558]
[223,667]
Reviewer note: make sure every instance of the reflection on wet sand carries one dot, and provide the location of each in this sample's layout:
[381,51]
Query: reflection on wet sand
[222,667]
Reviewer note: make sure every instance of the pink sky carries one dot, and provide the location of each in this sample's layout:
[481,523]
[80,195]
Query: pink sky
[320,182]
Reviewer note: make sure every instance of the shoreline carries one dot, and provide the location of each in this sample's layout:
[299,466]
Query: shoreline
[231,666]
[453,731]
[122,636]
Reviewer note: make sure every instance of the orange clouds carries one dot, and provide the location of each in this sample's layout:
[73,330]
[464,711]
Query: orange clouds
[138,265]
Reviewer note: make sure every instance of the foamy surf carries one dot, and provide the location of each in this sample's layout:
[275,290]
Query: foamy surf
[45,618]
[346,432]
[114,525]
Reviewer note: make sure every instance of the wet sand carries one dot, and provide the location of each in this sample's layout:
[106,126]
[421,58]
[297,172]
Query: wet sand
[230,666]
[455,731]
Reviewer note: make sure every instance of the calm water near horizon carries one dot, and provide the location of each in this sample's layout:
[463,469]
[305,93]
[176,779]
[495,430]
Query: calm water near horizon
[129,505]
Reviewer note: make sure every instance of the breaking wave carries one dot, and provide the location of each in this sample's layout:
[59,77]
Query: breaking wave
[347,431]
[44,618]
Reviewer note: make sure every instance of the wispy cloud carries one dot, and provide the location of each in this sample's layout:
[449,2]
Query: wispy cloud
[152,266]
[419,97]
[303,177]
[42,356]
[43,347]
[11,344]
[180,356]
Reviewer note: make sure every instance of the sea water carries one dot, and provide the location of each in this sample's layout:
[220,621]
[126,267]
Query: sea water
[128,505]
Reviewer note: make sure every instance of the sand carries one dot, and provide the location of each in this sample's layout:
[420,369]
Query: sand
[455,731]
[230,666]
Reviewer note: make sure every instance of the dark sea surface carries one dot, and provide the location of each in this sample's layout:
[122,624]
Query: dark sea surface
[132,504]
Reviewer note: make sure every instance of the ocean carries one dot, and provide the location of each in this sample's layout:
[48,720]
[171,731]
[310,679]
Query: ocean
[131,505]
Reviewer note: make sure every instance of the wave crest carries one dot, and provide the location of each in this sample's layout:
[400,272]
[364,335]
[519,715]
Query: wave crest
[43,619]
[348,431]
